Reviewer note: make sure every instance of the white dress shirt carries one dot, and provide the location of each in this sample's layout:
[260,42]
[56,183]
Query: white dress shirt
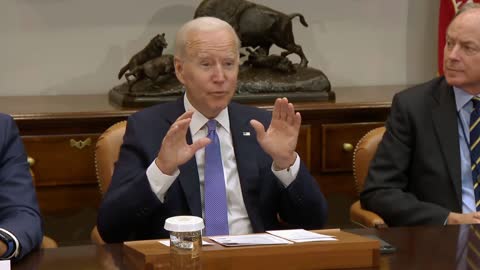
[238,221]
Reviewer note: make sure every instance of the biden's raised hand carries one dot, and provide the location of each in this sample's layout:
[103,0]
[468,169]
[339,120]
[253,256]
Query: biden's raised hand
[175,150]
[280,139]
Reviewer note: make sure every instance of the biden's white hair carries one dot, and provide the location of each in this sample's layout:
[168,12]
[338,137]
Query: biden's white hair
[200,24]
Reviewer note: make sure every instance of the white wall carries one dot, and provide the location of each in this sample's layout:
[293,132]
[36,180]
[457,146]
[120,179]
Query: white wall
[50,47]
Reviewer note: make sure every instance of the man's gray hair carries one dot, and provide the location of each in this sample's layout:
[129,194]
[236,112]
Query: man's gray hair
[198,25]
[467,7]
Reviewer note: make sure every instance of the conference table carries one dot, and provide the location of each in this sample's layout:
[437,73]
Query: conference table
[424,247]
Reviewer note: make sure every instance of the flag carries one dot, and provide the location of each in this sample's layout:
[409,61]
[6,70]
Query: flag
[448,9]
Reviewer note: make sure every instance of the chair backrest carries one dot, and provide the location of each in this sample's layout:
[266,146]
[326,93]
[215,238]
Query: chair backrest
[48,242]
[106,153]
[363,154]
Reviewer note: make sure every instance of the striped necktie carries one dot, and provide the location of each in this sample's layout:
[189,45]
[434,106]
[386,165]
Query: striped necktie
[473,247]
[475,148]
[216,215]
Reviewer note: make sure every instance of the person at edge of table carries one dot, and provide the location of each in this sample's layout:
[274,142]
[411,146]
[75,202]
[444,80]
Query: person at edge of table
[426,168]
[20,220]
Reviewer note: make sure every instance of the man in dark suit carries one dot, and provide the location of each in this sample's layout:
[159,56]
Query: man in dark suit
[422,171]
[162,168]
[20,221]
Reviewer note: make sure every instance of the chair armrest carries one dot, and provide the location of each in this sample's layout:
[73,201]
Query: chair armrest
[95,237]
[48,242]
[365,218]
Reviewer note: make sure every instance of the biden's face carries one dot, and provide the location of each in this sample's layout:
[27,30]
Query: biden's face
[209,70]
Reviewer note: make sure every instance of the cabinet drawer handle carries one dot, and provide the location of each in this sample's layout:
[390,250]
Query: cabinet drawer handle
[80,144]
[347,147]
[31,161]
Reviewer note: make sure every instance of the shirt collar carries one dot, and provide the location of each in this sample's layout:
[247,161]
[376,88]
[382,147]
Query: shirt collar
[461,97]
[199,120]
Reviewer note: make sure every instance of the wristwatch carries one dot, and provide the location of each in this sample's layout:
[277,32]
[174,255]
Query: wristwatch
[9,242]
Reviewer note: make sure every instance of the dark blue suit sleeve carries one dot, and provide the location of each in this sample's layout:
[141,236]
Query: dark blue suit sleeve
[303,203]
[19,213]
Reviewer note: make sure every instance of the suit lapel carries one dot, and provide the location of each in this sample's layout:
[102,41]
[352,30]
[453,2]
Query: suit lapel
[188,177]
[244,142]
[445,123]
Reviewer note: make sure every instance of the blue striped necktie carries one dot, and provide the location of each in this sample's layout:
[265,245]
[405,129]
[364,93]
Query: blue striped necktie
[475,148]
[216,216]
[473,247]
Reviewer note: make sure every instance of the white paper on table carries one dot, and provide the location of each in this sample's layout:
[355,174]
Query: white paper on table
[301,235]
[249,240]
[167,243]
[5,265]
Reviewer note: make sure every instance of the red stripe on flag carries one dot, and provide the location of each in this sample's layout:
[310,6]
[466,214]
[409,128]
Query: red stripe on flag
[447,11]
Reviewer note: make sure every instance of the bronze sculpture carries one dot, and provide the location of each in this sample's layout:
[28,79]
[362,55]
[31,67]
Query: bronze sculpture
[153,49]
[152,70]
[260,58]
[256,25]
[262,77]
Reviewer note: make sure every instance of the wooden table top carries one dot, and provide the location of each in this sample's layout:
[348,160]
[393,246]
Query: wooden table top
[432,247]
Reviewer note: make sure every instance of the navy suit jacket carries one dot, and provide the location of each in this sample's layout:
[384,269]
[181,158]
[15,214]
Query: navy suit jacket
[131,211]
[415,176]
[19,212]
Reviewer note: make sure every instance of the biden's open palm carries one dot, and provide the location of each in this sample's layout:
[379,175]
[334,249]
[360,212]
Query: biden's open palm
[175,150]
[280,139]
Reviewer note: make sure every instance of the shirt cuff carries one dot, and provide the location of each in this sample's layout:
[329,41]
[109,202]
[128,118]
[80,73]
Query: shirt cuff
[160,182]
[287,175]
[17,245]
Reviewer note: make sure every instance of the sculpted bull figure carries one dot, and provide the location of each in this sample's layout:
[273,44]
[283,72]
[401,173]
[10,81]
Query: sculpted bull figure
[256,25]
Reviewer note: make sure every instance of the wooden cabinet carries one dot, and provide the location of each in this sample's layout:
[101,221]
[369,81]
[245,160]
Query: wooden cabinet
[338,143]
[60,133]
[61,159]
[304,144]
[63,170]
